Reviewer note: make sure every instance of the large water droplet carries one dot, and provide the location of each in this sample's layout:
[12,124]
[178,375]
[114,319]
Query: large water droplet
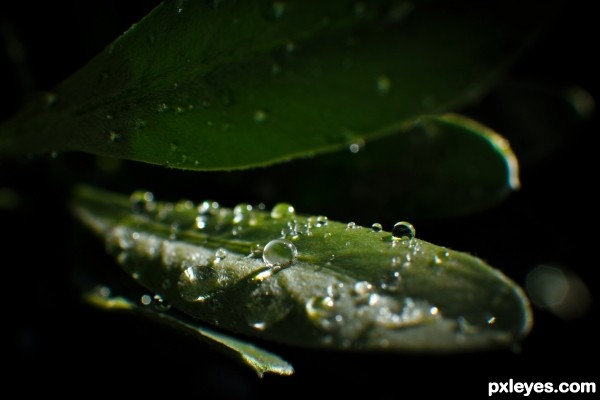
[283,210]
[196,283]
[403,230]
[279,253]
[376,227]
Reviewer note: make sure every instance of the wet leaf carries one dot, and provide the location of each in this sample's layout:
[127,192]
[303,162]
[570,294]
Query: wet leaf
[223,85]
[307,281]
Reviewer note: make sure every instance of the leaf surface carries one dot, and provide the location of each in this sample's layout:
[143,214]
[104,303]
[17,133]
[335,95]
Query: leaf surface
[307,281]
[234,84]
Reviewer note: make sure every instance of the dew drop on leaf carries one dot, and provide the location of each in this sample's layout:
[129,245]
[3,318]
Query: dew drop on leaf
[241,212]
[403,230]
[376,227]
[283,210]
[196,283]
[279,253]
[141,201]
[146,300]
[160,303]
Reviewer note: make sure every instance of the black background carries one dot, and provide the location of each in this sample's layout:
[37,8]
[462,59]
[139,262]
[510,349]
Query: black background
[57,344]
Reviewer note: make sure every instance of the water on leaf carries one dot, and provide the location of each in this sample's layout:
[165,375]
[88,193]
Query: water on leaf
[283,210]
[146,300]
[403,230]
[376,227]
[160,303]
[141,201]
[208,207]
[241,212]
[279,253]
[196,283]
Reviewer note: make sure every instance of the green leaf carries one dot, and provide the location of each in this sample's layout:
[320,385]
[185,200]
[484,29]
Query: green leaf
[223,85]
[307,281]
[260,360]
[443,166]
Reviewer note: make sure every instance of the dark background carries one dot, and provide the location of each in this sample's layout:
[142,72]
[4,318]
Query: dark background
[57,344]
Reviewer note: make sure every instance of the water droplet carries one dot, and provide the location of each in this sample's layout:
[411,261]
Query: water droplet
[241,212]
[334,290]
[141,201]
[113,137]
[146,300]
[491,320]
[403,230]
[352,225]
[162,107]
[278,9]
[279,253]
[221,254]
[260,116]
[184,205]
[383,84]
[376,227]
[102,291]
[263,274]
[196,283]
[108,116]
[354,148]
[261,326]
[319,308]
[290,47]
[208,207]
[283,210]
[437,260]
[201,222]
[363,288]
[160,303]
[321,221]
[256,250]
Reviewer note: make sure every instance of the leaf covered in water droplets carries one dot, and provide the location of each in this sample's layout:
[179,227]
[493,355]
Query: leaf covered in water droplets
[222,85]
[307,281]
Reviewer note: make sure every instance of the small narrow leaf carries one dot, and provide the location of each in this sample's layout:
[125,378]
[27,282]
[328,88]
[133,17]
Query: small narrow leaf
[260,360]
[307,281]
[222,85]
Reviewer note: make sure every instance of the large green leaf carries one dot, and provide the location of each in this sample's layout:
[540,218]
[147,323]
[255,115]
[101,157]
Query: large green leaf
[305,280]
[232,84]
